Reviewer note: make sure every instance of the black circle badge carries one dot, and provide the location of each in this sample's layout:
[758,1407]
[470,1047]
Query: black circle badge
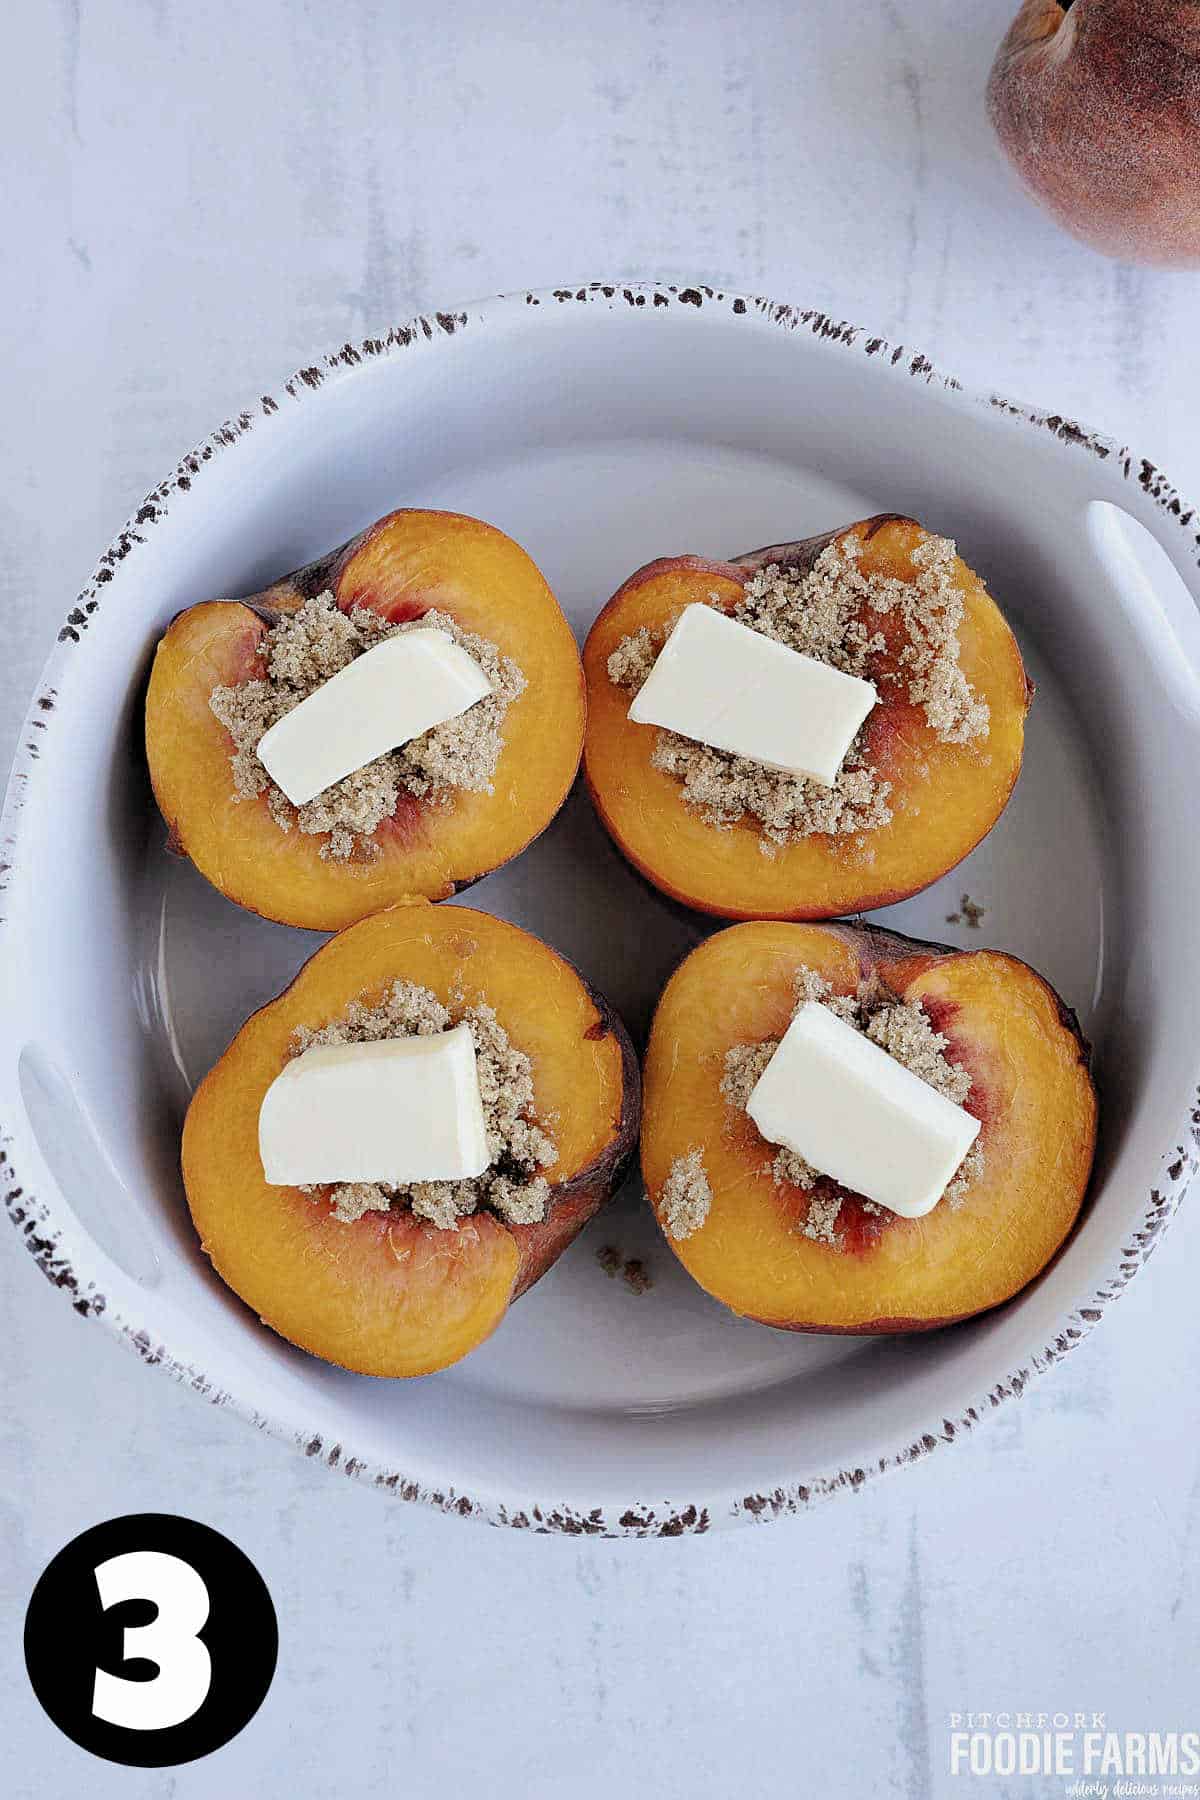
[151,1640]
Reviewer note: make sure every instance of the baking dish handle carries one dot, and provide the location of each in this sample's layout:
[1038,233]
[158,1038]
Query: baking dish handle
[94,1247]
[67,1254]
[1174,527]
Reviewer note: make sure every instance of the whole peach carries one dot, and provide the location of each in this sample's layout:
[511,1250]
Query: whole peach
[1098,105]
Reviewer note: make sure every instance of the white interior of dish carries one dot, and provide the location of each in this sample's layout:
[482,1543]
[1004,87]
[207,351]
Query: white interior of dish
[600,438]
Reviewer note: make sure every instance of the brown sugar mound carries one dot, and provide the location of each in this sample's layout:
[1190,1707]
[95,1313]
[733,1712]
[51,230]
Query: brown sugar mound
[821,614]
[300,653]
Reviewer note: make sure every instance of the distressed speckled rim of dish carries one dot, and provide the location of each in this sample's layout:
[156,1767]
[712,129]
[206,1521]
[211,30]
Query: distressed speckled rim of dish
[48,1229]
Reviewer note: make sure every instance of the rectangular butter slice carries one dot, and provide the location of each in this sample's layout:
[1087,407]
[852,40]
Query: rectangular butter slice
[721,683]
[842,1103]
[399,1110]
[384,698]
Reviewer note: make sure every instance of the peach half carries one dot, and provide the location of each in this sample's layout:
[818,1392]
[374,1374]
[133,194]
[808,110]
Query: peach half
[1031,1090]
[391,1294]
[945,797]
[402,567]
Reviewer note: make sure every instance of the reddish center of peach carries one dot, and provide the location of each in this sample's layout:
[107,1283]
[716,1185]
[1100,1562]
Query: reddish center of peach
[406,823]
[399,610]
[959,1049]
[859,1229]
[245,664]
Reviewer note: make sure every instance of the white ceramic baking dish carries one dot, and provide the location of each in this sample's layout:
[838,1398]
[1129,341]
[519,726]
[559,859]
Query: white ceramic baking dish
[601,427]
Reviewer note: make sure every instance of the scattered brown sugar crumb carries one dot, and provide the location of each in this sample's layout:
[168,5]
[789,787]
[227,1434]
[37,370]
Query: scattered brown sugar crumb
[301,652]
[820,1221]
[821,614]
[512,1186]
[686,1196]
[902,1028]
[631,1269]
[972,912]
[636,1276]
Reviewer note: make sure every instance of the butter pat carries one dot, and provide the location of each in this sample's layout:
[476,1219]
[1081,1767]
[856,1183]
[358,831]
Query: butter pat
[403,1109]
[858,1115]
[382,699]
[722,684]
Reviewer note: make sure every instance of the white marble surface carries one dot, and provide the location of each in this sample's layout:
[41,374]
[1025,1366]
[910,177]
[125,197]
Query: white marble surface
[199,197]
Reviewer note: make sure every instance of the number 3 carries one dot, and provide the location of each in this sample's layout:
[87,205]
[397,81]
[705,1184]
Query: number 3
[170,1642]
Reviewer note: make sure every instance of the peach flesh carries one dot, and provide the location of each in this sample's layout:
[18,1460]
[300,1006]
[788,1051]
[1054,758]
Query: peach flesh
[1031,1091]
